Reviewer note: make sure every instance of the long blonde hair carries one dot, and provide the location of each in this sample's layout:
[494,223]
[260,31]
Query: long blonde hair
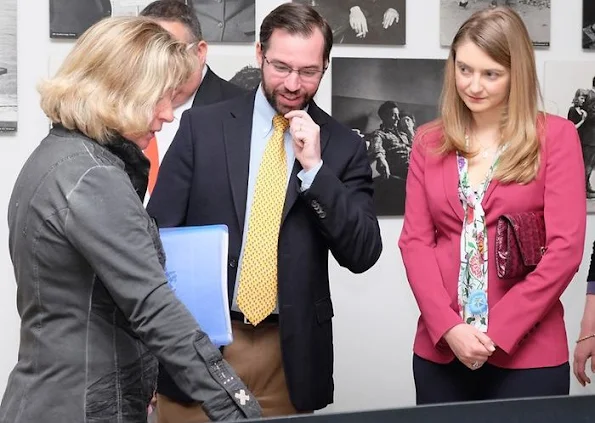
[112,80]
[502,35]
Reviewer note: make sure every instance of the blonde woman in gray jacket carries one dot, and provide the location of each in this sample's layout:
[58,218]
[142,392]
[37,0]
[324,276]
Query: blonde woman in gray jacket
[96,311]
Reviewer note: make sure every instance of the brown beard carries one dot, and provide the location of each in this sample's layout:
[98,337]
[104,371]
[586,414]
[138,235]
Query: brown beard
[270,95]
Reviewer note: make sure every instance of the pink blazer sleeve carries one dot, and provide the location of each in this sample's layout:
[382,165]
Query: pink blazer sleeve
[417,243]
[529,300]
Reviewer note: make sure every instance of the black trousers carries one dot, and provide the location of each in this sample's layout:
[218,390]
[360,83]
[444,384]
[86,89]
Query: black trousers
[454,382]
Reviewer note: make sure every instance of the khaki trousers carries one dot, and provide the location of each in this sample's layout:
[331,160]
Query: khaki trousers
[255,355]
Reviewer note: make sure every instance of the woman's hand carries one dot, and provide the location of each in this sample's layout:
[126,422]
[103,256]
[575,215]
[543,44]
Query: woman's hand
[470,346]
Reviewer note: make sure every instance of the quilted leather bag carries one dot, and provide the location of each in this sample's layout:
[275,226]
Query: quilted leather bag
[520,243]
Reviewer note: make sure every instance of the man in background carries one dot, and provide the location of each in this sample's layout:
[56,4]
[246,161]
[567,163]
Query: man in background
[204,86]
[292,184]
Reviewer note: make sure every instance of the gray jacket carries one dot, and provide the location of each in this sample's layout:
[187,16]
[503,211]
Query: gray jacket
[94,304]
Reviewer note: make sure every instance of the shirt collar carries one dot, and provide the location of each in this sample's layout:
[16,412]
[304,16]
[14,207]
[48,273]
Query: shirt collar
[263,110]
[188,104]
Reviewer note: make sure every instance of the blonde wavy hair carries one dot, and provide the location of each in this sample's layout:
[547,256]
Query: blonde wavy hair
[112,80]
[502,35]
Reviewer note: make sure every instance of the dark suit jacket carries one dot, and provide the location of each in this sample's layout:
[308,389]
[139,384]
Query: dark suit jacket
[212,89]
[203,181]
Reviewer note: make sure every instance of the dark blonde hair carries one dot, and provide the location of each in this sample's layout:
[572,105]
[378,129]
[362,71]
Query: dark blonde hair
[112,80]
[578,93]
[502,35]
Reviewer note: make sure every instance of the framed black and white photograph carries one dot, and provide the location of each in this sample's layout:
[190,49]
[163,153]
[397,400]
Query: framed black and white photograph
[378,22]
[242,71]
[8,65]
[535,14]
[569,91]
[226,21]
[589,24]
[70,18]
[384,101]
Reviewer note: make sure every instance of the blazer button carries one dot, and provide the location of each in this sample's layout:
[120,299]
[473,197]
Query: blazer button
[233,262]
[322,214]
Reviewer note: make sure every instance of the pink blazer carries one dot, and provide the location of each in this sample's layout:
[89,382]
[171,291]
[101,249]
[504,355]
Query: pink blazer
[526,318]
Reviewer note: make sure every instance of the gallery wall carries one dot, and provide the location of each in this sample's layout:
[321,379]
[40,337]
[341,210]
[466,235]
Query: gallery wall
[375,313]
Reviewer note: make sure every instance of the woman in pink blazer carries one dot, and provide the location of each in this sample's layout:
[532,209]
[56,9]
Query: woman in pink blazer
[492,152]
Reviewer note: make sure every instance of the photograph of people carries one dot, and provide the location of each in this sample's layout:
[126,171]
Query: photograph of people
[536,16]
[363,21]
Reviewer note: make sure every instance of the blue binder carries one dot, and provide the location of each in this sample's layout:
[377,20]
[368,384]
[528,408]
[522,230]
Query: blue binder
[196,269]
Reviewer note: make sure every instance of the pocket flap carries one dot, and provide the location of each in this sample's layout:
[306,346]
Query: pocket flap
[324,310]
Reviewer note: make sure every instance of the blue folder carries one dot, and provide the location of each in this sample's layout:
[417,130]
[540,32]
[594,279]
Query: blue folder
[196,269]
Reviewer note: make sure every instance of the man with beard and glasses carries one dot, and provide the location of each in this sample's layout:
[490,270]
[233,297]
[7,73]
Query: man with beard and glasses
[291,184]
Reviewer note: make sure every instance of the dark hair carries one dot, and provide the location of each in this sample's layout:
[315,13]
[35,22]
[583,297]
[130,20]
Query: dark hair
[386,107]
[401,126]
[176,11]
[296,18]
[403,115]
[248,77]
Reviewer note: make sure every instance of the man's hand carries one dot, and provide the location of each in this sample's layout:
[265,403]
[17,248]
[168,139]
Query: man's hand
[391,16]
[471,347]
[358,22]
[306,138]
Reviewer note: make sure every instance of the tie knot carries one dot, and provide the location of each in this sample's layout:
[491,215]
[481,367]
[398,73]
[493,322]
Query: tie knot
[280,123]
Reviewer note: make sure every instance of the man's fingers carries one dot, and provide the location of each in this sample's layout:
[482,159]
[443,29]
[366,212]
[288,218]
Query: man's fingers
[297,113]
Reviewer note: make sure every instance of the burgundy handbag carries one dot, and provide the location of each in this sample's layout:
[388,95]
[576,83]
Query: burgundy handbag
[520,243]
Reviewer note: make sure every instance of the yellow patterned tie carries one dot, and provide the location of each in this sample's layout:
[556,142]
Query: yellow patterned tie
[257,291]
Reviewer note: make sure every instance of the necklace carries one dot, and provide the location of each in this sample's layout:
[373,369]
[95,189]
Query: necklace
[484,152]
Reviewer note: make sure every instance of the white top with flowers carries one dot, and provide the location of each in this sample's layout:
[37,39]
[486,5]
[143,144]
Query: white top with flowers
[473,273]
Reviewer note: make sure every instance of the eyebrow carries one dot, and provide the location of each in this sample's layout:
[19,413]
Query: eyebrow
[312,67]
[460,63]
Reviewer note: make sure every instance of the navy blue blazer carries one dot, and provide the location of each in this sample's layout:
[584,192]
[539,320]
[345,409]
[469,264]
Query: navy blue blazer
[203,180]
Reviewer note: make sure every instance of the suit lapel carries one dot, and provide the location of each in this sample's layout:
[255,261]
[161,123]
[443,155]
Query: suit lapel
[293,187]
[450,176]
[237,133]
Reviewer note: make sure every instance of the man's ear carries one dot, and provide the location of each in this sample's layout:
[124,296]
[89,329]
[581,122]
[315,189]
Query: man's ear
[201,50]
[259,54]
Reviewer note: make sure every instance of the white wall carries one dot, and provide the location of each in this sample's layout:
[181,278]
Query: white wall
[375,313]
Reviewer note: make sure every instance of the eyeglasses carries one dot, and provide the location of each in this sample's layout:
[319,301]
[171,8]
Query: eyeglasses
[305,74]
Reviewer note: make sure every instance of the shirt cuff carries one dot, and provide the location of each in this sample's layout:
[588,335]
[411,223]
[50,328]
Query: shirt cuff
[590,287]
[307,178]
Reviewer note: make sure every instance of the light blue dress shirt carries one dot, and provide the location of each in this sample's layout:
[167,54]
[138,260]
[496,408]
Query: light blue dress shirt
[262,129]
